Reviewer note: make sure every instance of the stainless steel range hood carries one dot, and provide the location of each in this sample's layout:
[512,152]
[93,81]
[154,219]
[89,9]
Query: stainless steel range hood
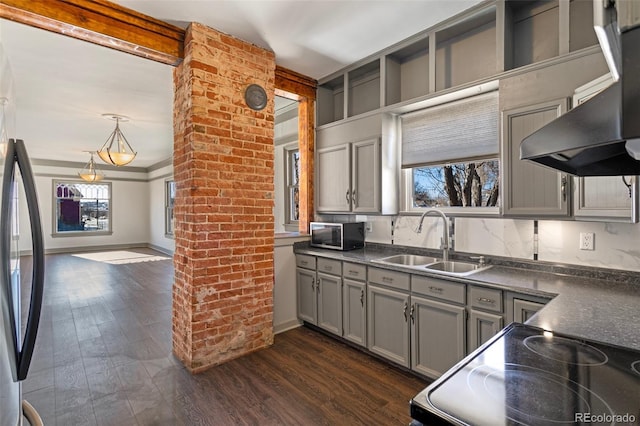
[600,137]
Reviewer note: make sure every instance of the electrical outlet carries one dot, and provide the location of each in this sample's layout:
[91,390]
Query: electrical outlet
[368,226]
[587,240]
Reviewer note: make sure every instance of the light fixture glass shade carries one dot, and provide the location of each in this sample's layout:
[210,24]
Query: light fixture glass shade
[121,154]
[90,173]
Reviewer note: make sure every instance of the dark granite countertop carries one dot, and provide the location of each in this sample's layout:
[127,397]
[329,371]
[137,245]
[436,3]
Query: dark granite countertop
[591,303]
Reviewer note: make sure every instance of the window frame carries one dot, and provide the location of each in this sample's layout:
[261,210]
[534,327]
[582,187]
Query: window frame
[169,224]
[289,150]
[54,211]
[406,196]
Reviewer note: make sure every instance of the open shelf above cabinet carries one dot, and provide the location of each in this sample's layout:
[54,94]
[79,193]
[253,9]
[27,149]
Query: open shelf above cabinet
[466,51]
[364,88]
[482,44]
[407,72]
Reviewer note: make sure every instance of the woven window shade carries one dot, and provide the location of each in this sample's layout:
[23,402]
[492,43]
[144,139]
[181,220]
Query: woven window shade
[453,132]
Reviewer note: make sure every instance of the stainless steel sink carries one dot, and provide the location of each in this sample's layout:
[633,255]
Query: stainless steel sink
[408,260]
[456,268]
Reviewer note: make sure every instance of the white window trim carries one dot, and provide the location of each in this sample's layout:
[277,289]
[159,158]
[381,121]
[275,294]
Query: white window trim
[406,202]
[168,234]
[289,225]
[54,212]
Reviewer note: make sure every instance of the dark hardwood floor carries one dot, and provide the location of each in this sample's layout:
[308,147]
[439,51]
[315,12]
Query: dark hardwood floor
[103,357]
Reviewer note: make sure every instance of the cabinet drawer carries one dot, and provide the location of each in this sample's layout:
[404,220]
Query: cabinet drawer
[485,298]
[389,278]
[354,271]
[439,289]
[305,261]
[329,266]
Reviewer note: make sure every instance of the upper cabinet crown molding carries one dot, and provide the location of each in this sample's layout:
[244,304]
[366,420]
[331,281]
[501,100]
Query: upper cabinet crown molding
[104,23]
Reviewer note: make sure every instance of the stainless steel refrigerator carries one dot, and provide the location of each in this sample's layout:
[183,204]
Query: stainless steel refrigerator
[17,339]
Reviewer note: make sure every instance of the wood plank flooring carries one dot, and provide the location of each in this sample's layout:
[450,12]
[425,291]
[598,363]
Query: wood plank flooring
[103,357]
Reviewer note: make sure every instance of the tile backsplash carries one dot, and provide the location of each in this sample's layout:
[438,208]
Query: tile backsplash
[617,245]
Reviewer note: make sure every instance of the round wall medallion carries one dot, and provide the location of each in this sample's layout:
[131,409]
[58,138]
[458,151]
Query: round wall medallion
[255,97]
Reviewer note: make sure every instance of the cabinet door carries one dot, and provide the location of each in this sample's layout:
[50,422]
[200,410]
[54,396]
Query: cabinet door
[525,309]
[354,320]
[531,189]
[306,295]
[333,179]
[365,176]
[388,324]
[437,336]
[482,327]
[606,198]
[330,303]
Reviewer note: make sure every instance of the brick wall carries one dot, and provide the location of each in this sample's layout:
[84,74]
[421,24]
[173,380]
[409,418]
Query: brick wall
[224,225]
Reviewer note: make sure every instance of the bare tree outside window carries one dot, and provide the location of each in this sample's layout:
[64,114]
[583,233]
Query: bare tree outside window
[473,184]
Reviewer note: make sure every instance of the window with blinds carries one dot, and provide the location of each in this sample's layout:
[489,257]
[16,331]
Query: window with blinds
[461,130]
[450,153]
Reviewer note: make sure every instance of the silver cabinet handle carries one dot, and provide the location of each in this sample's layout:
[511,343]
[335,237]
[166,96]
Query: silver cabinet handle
[413,320]
[304,262]
[387,279]
[485,300]
[435,289]
[352,272]
[346,196]
[353,196]
[328,268]
[318,285]
[362,297]
[404,311]
[313,284]
[563,188]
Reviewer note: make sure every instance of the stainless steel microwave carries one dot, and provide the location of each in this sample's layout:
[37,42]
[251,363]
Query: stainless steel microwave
[337,236]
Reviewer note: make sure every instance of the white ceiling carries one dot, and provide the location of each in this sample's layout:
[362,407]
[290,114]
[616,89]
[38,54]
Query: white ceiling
[63,85]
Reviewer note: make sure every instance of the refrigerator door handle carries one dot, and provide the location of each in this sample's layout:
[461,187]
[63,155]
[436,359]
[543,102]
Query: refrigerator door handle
[37,245]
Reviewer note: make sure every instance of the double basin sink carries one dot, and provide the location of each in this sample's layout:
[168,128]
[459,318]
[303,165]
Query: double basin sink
[433,264]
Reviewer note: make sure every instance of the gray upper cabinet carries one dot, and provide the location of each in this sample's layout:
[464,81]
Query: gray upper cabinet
[608,198]
[333,189]
[349,177]
[531,189]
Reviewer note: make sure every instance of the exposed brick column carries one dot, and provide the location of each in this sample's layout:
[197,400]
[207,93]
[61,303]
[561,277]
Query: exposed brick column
[224,226]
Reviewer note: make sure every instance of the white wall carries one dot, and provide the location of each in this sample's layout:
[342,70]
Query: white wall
[616,244]
[133,211]
[157,237]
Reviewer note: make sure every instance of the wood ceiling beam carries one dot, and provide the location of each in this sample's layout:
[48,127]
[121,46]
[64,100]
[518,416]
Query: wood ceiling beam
[101,22]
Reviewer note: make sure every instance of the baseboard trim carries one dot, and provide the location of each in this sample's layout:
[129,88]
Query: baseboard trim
[286,326]
[76,249]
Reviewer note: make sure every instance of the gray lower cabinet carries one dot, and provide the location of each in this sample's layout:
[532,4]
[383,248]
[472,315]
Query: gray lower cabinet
[482,327]
[388,315]
[354,303]
[330,302]
[485,315]
[306,295]
[388,324]
[521,307]
[437,336]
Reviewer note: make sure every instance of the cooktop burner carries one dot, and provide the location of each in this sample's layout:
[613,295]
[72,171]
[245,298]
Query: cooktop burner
[528,376]
[565,350]
[505,386]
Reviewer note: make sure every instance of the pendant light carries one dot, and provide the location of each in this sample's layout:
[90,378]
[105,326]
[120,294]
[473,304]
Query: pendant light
[90,173]
[121,154]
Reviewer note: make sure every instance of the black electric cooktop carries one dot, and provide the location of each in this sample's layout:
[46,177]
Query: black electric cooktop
[528,376]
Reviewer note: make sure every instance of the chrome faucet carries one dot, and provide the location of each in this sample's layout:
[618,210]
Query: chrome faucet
[445,243]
